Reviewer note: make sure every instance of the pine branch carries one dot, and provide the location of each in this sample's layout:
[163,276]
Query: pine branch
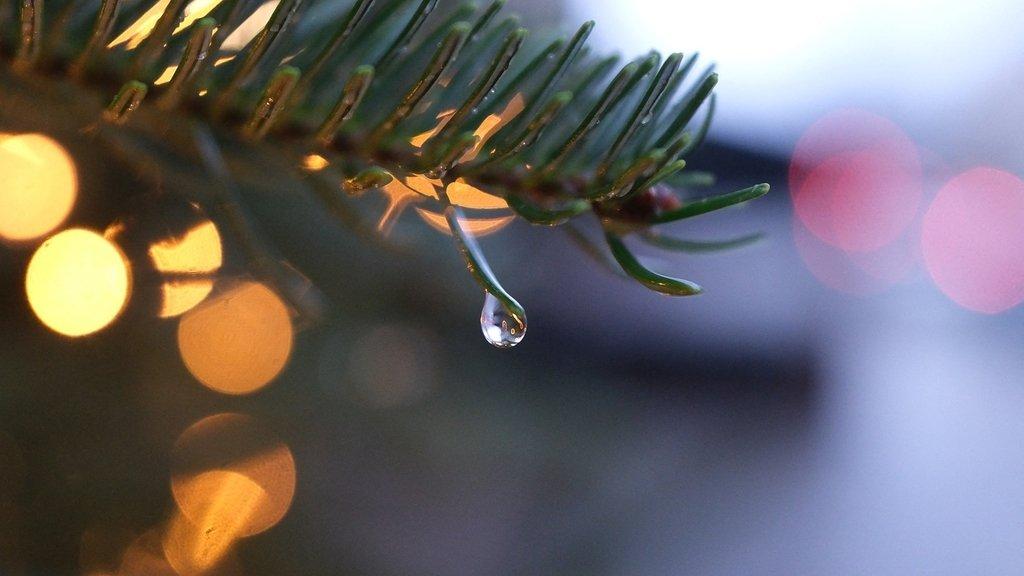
[384,91]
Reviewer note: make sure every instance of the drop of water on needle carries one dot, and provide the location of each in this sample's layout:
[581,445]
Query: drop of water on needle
[501,328]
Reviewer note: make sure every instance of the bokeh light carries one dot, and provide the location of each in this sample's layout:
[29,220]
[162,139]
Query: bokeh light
[196,253]
[855,273]
[488,127]
[140,29]
[973,240]
[205,549]
[855,179]
[464,194]
[391,365]
[401,193]
[315,162]
[250,27]
[145,557]
[38,185]
[476,226]
[77,282]
[231,475]
[175,249]
[160,552]
[237,341]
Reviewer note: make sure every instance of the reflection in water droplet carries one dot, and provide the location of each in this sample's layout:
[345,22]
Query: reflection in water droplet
[501,327]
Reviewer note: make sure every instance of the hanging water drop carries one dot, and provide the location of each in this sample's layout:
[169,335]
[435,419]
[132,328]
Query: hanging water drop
[501,328]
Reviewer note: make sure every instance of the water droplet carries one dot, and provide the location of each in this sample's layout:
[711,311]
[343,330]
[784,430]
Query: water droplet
[501,328]
[645,120]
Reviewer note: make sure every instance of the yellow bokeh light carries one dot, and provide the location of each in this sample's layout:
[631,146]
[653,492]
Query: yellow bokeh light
[315,162]
[476,226]
[166,75]
[77,282]
[250,27]
[38,185]
[414,187]
[139,30]
[195,10]
[232,476]
[180,296]
[238,341]
[492,123]
[442,119]
[464,194]
[229,502]
[145,557]
[398,196]
[423,186]
[197,253]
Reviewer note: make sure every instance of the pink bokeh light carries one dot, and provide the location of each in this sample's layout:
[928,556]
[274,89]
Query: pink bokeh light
[858,274]
[973,240]
[855,179]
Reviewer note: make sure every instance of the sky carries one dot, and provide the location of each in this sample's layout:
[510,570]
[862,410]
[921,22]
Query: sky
[949,72]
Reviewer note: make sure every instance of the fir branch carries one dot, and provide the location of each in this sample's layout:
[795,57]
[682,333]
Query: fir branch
[549,132]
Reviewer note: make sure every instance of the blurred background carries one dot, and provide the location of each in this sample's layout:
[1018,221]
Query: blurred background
[844,399]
